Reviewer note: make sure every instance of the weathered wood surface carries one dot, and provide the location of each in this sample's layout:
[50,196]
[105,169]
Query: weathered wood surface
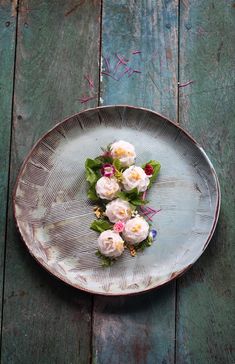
[7,58]
[57,44]
[206,310]
[152,28]
[140,329]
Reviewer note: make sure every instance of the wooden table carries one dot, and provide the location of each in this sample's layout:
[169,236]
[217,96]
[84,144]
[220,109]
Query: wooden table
[46,50]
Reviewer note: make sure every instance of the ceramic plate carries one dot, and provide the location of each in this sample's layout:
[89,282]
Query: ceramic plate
[53,214]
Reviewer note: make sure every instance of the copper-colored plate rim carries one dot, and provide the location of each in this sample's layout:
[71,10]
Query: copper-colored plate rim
[175,274]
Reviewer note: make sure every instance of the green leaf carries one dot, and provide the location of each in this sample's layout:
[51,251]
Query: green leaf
[93,163]
[133,196]
[106,261]
[123,196]
[92,171]
[104,159]
[117,164]
[156,166]
[91,176]
[101,225]
[91,194]
[139,202]
[145,244]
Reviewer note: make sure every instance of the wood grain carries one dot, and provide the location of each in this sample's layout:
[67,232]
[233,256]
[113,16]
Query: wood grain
[7,59]
[58,43]
[152,28]
[138,329]
[205,326]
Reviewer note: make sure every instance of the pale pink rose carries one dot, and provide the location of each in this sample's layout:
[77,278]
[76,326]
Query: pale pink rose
[119,226]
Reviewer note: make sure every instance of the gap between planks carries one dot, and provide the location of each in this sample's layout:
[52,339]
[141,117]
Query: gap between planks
[15,13]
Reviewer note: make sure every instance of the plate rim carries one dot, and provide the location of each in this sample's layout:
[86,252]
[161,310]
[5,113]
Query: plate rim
[174,275]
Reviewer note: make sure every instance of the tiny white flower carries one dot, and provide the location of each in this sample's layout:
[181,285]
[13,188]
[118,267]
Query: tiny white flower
[135,177]
[136,230]
[118,210]
[123,151]
[110,244]
[107,188]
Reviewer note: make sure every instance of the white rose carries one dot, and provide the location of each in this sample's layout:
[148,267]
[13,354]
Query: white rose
[118,210]
[123,151]
[107,188]
[136,230]
[135,177]
[110,244]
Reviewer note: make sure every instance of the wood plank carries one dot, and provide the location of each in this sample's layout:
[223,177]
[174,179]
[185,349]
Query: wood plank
[205,327]
[58,43]
[139,329]
[152,28]
[7,59]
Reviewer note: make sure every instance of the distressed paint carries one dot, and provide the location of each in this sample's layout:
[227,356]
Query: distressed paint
[151,27]
[206,55]
[45,321]
[206,311]
[7,56]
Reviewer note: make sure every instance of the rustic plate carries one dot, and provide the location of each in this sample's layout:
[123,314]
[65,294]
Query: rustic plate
[53,214]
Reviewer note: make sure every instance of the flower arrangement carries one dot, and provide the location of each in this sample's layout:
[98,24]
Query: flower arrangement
[119,188]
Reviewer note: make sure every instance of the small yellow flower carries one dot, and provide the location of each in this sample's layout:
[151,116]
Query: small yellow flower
[132,251]
[98,212]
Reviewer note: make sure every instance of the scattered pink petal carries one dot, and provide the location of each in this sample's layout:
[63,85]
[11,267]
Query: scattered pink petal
[122,60]
[107,64]
[124,72]
[109,74]
[90,82]
[148,212]
[130,72]
[185,84]
[116,67]
[85,99]
[144,195]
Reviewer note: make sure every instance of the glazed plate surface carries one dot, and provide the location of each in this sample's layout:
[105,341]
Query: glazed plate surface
[53,214]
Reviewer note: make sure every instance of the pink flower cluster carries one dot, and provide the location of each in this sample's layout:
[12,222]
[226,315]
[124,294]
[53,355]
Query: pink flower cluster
[119,227]
[107,170]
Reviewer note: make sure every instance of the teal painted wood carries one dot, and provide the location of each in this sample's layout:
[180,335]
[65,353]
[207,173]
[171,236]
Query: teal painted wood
[205,326]
[58,43]
[152,28]
[138,329]
[7,57]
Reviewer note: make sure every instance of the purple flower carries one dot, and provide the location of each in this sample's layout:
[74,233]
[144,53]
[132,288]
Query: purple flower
[107,170]
[153,234]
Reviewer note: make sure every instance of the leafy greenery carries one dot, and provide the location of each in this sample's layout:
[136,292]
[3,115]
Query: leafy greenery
[104,159]
[101,225]
[106,261]
[133,196]
[156,166]
[145,244]
[91,194]
[107,149]
[117,164]
[92,170]
[118,176]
